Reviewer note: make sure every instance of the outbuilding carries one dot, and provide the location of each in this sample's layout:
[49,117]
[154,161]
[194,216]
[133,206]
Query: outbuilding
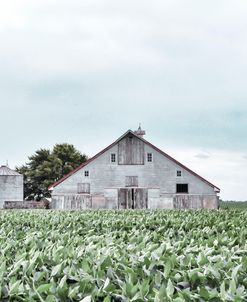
[11,185]
[132,173]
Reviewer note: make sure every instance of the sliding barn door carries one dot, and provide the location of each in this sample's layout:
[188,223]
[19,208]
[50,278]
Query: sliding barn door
[122,198]
[141,201]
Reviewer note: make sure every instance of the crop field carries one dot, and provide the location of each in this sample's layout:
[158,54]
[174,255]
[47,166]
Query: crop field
[233,205]
[135,255]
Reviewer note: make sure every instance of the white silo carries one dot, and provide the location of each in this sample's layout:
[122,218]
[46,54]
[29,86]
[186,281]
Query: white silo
[11,185]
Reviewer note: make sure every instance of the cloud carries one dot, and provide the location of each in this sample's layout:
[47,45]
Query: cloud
[202,155]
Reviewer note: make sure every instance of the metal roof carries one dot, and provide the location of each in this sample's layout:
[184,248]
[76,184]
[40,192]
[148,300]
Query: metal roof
[4,170]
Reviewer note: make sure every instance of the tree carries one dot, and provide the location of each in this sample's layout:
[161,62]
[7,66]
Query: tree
[46,167]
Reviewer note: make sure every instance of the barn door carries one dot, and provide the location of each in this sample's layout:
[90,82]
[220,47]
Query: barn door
[122,198]
[140,198]
[132,198]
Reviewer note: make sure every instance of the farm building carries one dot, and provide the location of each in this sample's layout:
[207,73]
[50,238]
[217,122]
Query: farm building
[11,185]
[132,173]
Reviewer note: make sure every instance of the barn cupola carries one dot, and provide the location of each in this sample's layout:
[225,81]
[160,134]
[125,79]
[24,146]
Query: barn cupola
[140,132]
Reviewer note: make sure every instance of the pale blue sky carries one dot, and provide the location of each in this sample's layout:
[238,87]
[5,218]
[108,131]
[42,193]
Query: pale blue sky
[84,72]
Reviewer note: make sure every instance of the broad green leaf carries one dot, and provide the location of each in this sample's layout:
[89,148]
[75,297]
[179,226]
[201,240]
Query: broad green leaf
[223,291]
[86,299]
[107,282]
[44,288]
[50,298]
[73,292]
[232,287]
[14,287]
[170,288]
[56,269]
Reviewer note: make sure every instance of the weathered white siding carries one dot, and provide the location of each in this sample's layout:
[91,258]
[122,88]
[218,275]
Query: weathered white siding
[158,177]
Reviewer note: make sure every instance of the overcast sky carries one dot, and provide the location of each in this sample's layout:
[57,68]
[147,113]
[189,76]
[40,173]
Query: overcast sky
[86,71]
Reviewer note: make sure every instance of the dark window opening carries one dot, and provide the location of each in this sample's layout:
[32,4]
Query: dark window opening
[113,157]
[149,157]
[182,188]
[179,173]
[86,173]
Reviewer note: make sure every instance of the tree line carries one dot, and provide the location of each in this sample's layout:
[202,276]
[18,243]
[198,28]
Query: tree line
[46,167]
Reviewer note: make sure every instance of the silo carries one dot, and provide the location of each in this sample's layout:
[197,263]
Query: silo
[11,185]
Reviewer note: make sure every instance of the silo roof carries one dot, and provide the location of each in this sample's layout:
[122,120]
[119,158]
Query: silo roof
[4,170]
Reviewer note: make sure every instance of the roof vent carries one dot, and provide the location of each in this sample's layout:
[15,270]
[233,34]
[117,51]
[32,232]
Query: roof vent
[140,132]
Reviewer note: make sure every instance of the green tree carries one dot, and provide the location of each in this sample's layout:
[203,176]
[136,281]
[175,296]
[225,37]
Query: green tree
[45,167]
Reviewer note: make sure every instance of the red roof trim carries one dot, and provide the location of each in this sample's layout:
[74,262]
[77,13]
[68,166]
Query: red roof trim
[148,143]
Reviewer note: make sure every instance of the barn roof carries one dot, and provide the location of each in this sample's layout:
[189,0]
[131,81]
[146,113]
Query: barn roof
[146,142]
[5,170]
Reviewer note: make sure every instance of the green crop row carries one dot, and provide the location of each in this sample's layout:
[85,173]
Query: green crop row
[233,205]
[135,255]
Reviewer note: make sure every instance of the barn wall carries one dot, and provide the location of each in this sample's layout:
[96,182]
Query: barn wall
[154,199]
[111,198]
[71,201]
[181,201]
[11,188]
[159,174]
[195,201]
[210,202]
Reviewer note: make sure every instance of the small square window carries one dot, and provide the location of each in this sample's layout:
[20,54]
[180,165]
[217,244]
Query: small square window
[179,173]
[86,173]
[149,157]
[113,157]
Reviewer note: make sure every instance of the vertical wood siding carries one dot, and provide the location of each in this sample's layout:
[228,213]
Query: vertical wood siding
[141,200]
[132,198]
[131,151]
[131,181]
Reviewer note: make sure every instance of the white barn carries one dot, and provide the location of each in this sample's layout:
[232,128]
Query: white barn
[132,173]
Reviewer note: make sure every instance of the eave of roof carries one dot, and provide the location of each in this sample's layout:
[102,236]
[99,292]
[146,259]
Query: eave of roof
[145,141]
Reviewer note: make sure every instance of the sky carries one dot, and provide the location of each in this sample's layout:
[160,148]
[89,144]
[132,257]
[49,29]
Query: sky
[84,72]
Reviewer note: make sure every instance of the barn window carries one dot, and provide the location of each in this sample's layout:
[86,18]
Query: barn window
[179,173]
[131,181]
[86,173]
[150,157]
[83,188]
[182,188]
[113,157]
